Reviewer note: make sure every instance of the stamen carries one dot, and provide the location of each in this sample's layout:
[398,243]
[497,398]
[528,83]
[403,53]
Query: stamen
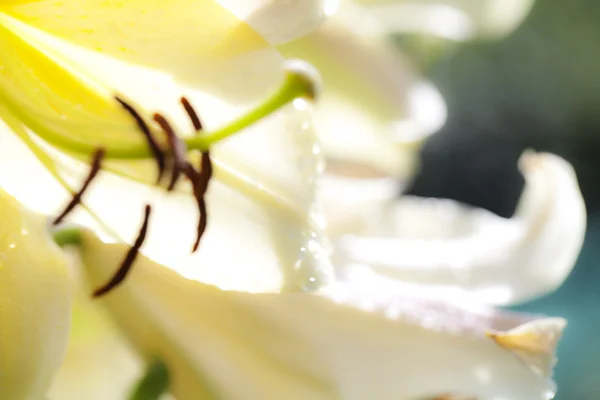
[178,150]
[192,114]
[206,171]
[76,199]
[200,184]
[202,223]
[199,180]
[143,127]
[128,261]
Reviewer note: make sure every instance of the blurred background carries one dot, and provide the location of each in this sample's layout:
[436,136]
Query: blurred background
[537,86]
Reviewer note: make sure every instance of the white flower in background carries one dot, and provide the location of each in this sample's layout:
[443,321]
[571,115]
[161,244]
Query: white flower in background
[456,20]
[441,242]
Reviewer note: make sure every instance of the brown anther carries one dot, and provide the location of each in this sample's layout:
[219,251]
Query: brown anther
[202,223]
[200,179]
[178,150]
[192,114]
[143,127]
[97,158]
[200,183]
[206,172]
[129,259]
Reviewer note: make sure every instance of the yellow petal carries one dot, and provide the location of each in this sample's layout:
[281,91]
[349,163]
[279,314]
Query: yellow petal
[34,303]
[61,90]
[139,28]
[52,98]
[198,41]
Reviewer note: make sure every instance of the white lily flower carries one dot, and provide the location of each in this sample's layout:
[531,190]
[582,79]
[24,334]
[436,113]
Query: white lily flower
[59,106]
[441,242]
[35,303]
[362,337]
[59,75]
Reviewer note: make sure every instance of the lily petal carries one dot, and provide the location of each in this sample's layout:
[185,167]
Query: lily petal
[51,97]
[99,363]
[352,340]
[58,88]
[501,261]
[34,303]
[199,42]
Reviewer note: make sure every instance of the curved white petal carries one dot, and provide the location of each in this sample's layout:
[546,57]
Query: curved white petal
[357,339]
[502,261]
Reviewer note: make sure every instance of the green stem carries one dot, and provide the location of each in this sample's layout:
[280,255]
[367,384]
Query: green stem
[296,85]
[67,236]
[153,384]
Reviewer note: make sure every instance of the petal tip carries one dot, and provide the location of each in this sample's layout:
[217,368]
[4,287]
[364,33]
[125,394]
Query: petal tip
[529,161]
[534,343]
